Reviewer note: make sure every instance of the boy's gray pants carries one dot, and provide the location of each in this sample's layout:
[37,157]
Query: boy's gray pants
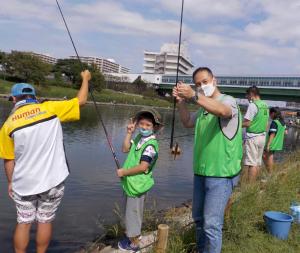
[134,215]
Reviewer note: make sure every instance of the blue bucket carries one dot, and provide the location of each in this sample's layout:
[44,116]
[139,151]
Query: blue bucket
[278,224]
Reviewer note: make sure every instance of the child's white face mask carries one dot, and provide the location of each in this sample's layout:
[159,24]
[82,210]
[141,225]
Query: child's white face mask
[145,132]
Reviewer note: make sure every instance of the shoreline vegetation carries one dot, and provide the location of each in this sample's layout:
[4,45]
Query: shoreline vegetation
[244,229]
[106,96]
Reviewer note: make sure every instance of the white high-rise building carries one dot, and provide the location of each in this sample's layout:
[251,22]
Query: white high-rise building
[165,61]
[104,65]
[46,58]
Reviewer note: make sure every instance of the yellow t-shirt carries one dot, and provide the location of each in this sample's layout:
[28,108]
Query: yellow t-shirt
[32,136]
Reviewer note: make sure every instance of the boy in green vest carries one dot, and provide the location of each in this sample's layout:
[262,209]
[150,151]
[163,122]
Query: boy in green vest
[136,174]
[275,137]
[255,122]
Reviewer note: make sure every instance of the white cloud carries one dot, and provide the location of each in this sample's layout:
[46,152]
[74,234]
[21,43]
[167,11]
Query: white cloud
[232,36]
[104,16]
[281,23]
[30,10]
[113,17]
[217,10]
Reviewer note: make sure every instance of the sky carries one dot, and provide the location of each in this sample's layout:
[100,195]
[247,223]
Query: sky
[232,37]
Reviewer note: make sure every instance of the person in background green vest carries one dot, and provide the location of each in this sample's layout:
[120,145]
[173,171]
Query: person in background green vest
[136,174]
[255,122]
[217,154]
[275,137]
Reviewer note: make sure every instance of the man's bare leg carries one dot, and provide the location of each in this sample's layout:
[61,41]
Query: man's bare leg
[21,237]
[269,162]
[43,237]
[252,173]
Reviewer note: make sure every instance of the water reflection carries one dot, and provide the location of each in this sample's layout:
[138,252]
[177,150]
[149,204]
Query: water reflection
[92,189]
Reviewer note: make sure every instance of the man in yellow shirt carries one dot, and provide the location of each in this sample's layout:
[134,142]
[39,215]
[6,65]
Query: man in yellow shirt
[31,145]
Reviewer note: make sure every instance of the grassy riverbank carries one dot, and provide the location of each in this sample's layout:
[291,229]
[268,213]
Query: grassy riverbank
[105,96]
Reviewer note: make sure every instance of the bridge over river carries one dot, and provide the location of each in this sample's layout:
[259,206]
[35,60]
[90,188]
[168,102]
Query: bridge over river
[279,88]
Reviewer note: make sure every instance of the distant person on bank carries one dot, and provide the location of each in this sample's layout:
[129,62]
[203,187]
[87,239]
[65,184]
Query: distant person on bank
[136,174]
[256,123]
[31,144]
[217,154]
[275,138]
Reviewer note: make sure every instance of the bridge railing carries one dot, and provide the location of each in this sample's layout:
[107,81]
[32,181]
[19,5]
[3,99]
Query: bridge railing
[265,82]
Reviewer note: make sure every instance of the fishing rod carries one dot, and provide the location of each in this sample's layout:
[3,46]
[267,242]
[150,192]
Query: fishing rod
[175,149]
[91,93]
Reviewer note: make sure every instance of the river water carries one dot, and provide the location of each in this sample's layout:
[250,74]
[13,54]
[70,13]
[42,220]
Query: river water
[93,189]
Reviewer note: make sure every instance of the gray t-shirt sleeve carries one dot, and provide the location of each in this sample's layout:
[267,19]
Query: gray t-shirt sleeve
[231,102]
[230,125]
[251,112]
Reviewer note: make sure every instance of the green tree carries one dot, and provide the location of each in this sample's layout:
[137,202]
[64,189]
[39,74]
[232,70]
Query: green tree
[27,67]
[72,68]
[140,85]
[2,64]
[2,57]
[98,80]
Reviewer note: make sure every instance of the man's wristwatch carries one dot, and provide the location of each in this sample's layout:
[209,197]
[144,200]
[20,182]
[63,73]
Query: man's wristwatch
[195,98]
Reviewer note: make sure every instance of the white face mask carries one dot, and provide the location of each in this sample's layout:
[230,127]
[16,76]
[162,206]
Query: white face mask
[208,89]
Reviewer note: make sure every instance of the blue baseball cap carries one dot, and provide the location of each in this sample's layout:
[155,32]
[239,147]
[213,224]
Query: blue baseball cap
[20,89]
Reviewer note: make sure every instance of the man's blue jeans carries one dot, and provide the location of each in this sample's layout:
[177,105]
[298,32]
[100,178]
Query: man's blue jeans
[210,198]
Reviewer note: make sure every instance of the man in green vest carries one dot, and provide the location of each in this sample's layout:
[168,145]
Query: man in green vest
[255,122]
[275,137]
[217,154]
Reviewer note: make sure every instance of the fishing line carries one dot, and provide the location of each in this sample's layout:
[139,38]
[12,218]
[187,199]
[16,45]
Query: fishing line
[177,72]
[91,93]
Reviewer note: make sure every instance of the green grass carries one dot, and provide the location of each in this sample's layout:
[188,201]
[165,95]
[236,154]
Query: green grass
[106,95]
[5,86]
[244,231]
[132,99]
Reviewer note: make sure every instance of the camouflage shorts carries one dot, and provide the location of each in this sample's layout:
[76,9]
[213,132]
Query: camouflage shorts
[40,207]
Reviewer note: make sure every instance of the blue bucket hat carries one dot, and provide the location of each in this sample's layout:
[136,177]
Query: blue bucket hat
[20,89]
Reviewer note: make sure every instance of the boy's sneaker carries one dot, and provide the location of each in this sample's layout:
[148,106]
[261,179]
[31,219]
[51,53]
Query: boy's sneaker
[127,245]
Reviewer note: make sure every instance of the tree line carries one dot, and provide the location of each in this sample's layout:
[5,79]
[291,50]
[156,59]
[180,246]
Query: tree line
[24,67]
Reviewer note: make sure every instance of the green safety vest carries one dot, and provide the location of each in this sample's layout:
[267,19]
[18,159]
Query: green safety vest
[277,142]
[214,154]
[260,121]
[139,184]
